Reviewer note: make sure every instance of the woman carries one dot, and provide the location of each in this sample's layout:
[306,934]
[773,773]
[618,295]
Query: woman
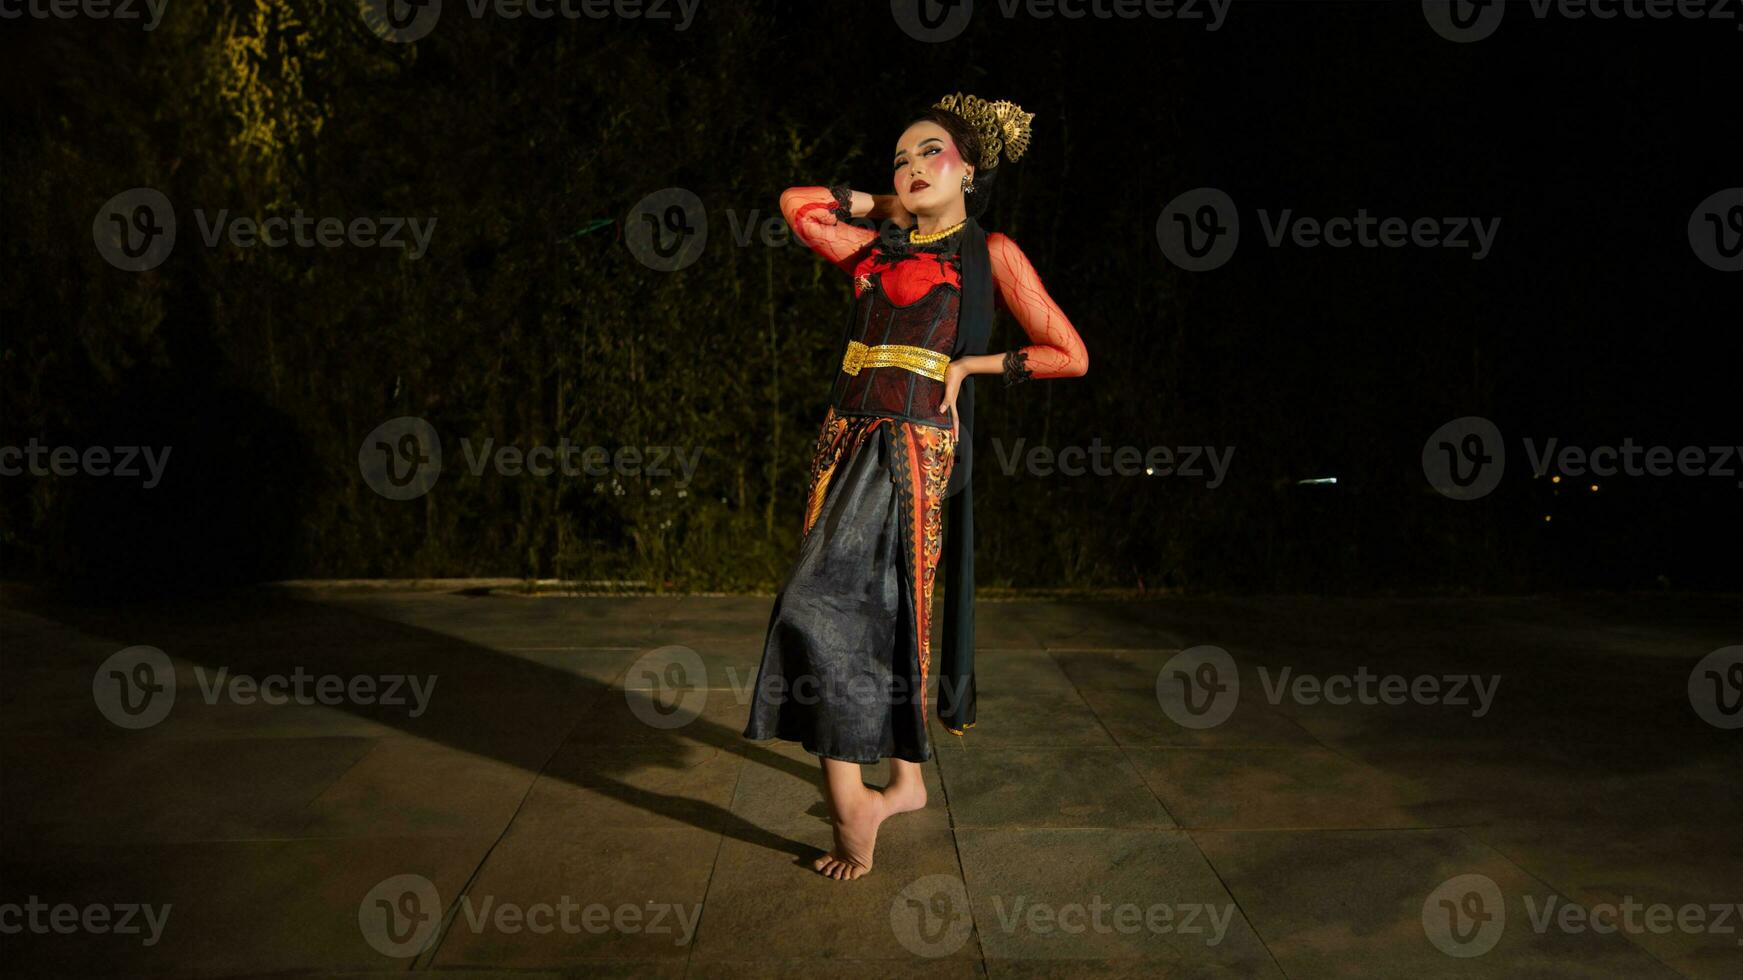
[848,652]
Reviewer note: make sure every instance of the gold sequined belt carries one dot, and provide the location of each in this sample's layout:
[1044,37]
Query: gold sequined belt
[921,361]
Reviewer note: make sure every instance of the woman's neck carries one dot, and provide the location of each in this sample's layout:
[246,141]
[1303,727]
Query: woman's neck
[928,224]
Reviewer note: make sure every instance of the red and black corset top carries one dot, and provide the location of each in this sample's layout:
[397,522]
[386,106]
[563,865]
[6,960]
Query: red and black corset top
[911,302]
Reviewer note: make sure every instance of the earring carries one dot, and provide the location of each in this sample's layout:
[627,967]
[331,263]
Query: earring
[967,184]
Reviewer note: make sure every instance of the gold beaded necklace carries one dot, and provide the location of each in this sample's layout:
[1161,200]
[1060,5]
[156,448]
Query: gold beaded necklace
[918,239]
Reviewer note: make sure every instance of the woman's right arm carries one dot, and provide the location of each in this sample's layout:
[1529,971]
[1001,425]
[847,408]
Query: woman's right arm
[821,220]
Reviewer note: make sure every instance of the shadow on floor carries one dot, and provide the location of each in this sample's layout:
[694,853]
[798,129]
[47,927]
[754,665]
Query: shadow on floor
[496,705]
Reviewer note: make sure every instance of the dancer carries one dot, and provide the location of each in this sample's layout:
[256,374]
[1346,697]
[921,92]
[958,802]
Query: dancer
[848,655]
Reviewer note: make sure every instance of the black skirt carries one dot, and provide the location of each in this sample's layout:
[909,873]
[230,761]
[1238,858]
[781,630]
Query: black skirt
[846,658]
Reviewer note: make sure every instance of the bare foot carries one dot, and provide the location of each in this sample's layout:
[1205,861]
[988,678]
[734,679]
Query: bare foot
[857,819]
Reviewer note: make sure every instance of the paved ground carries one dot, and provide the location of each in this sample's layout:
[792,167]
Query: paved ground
[571,801]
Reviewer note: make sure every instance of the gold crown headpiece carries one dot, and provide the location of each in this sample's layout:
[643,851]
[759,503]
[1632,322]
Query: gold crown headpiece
[1003,126]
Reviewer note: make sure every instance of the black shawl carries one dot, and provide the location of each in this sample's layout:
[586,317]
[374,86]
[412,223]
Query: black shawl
[956,693]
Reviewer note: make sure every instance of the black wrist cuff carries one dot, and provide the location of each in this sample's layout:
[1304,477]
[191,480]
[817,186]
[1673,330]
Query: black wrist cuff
[843,209]
[1016,367]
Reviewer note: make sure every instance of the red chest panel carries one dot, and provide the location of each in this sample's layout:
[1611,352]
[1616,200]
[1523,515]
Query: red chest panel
[907,279]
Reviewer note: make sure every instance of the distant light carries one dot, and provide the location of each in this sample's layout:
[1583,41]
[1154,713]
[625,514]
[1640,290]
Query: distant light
[1316,480]
[1546,517]
[1555,479]
[1594,488]
[1149,471]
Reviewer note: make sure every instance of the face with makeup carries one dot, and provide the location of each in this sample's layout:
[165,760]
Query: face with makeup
[929,169]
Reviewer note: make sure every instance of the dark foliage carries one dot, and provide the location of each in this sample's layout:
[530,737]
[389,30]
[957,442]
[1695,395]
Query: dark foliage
[529,321]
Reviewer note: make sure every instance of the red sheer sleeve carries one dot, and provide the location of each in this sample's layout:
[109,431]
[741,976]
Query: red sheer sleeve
[1057,351]
[811,213]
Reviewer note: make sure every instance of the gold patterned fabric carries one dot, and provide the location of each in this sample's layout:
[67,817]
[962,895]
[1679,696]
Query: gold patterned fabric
[920,464]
